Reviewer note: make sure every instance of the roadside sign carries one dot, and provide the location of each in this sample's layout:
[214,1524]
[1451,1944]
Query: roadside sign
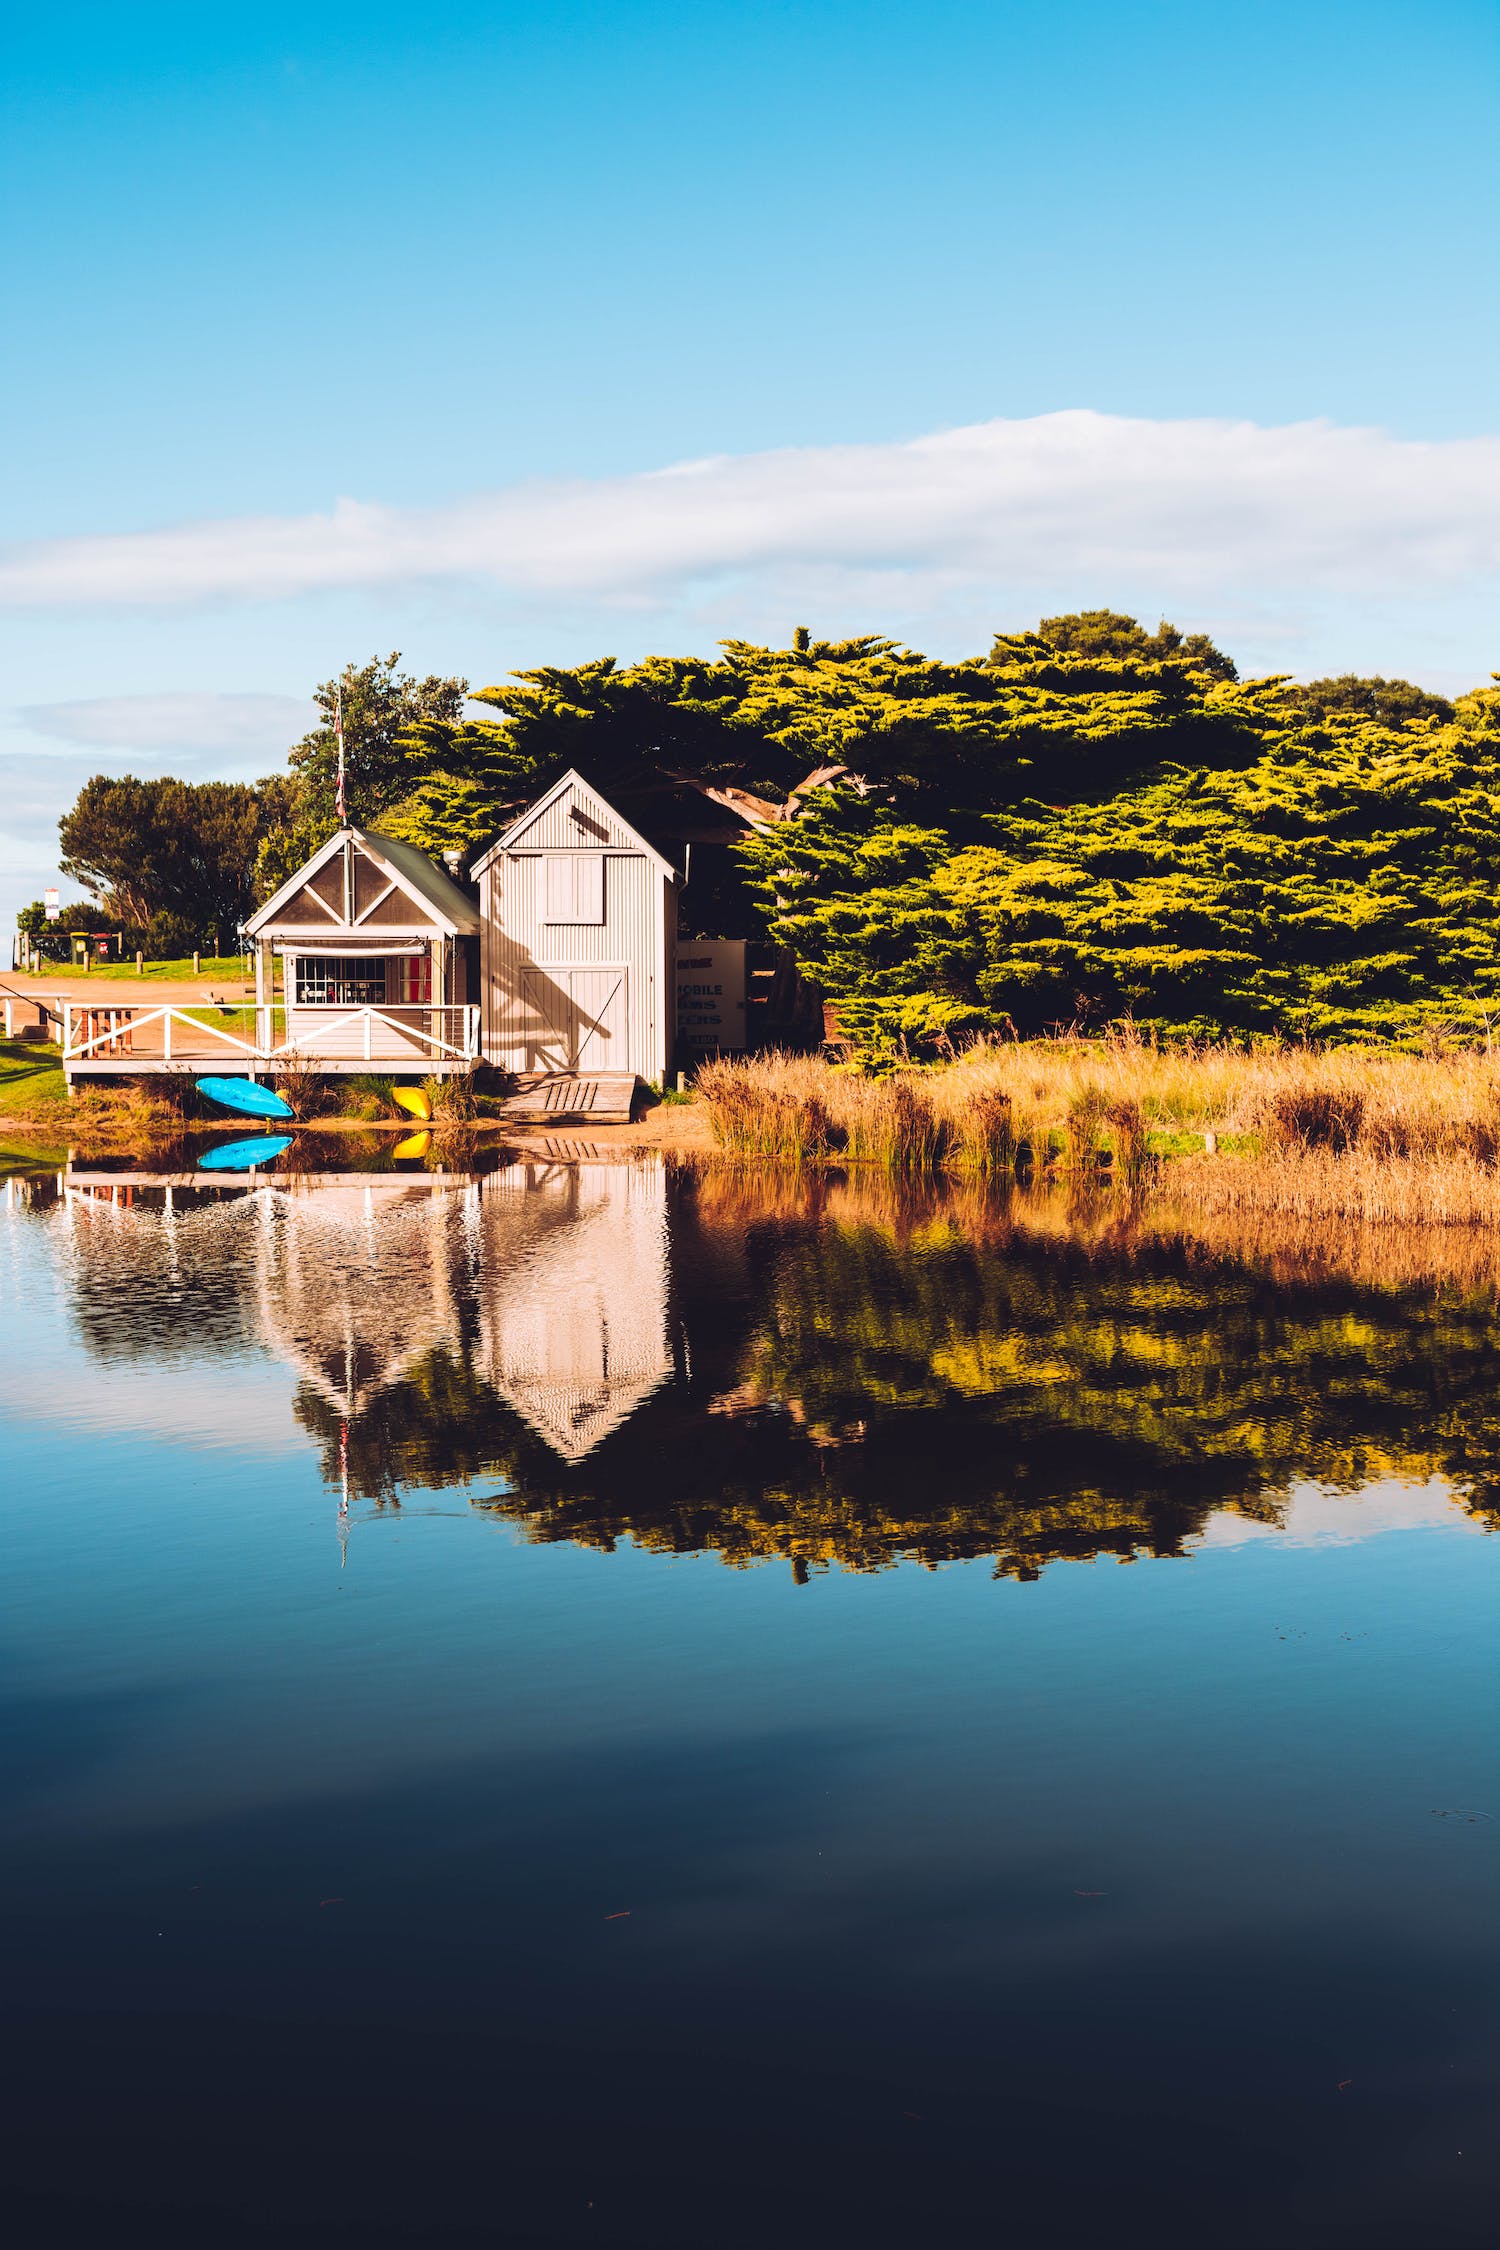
[711,995]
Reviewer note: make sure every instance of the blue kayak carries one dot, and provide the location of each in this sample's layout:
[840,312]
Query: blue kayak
[244,1095]
[244,1156]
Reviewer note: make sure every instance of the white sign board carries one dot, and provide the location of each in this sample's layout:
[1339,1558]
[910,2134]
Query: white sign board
[711,994]
[50,902]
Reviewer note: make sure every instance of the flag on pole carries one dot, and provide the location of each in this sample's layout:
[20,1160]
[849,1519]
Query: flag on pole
[338,736]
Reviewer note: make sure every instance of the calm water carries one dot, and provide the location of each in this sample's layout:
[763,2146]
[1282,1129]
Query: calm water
[592,1705]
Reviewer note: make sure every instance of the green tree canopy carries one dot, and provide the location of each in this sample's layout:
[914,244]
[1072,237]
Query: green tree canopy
[1089,820]
[1062,717]
[1106,632]
[1395,703]
[1343,885]
[382,707]
[165,854]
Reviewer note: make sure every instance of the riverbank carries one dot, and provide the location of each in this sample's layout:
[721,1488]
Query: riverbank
[1370,1134]
[132,1123]
[1272,1135]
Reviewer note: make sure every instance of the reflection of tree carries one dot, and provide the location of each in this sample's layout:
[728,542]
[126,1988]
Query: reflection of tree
[860,1379]
[147,1288]
[439,1425]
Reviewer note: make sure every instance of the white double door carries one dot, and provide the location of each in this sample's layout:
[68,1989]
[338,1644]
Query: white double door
[577,1019]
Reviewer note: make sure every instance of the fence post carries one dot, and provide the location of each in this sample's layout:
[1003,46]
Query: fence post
[166,1039]
[195,960]
[67,1029]
[140,962]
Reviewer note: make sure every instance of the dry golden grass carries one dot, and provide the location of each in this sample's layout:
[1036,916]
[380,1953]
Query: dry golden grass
[1398,1253]
[1393,1253]
[1400,1104]
[1369,1135]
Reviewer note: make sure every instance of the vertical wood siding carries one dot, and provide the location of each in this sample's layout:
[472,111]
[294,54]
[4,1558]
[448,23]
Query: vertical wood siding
[523,1033]
[555,829]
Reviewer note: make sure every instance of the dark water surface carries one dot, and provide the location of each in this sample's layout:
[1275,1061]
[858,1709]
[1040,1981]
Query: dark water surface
[595,1705]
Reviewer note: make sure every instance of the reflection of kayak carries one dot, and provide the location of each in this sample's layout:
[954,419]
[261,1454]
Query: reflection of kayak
[244,1156]
[413,1101]
[415,1144]
[244,1095]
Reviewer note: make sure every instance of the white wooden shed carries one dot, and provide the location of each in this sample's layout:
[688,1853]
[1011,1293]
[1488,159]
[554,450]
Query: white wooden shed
[579,923]
[379,956]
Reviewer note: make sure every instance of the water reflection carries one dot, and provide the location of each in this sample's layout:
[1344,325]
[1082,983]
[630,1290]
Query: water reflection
[573,1296]
[818,1371]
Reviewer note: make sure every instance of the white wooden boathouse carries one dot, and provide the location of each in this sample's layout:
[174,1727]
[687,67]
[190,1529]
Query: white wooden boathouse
[560,972]
[579,918]
[380,970]
[380,958]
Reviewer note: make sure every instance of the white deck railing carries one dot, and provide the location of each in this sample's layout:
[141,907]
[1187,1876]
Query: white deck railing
[138,1037]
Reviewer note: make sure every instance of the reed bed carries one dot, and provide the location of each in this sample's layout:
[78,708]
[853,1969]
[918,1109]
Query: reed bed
[1311,1184]
[1374,1136]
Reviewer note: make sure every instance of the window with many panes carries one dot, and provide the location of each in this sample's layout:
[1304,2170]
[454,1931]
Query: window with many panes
[332,983]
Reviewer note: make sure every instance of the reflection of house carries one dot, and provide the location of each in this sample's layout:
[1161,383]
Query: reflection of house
[356,1283]
[580,932]
[573,1313]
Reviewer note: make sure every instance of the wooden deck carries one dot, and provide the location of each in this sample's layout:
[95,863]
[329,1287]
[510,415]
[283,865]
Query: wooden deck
[604,1098]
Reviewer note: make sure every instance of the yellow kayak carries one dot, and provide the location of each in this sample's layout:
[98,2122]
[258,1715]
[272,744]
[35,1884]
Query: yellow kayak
[413,1101]
[415,1144]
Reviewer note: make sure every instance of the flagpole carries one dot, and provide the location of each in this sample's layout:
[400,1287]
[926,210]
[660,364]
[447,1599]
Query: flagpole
[338,735]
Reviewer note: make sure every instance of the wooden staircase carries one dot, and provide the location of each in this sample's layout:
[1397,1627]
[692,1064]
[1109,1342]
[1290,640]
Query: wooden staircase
[557,1098]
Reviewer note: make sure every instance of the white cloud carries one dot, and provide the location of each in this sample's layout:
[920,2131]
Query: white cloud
[1058,503]
[204,726]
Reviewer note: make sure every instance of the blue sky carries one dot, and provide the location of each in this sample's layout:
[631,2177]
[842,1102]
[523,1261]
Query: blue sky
[482,272]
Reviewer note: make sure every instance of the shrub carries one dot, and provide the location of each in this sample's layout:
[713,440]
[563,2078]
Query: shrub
[1086,1114]
[365,1096]
[918,1136]
[300,1082]
[1127,1140]
[454,1101]
[1315,1117]
[984,1132]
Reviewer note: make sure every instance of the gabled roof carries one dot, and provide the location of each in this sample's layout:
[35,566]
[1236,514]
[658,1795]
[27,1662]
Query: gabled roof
[410,870]
[572,779]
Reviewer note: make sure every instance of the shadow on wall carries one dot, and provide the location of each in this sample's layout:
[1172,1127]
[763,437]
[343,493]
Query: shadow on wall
[557,1019]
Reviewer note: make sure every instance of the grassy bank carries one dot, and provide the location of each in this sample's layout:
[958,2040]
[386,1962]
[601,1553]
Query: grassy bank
[133,1113]
[1373,1134]
[31,1078]
[226,968]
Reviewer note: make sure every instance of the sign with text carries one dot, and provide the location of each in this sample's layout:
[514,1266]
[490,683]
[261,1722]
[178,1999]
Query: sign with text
[711,994]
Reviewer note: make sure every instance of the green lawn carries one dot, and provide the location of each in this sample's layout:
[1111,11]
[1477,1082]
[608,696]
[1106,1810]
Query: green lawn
[222,968]
[239,1022]
[31,1077]
[31,1157]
